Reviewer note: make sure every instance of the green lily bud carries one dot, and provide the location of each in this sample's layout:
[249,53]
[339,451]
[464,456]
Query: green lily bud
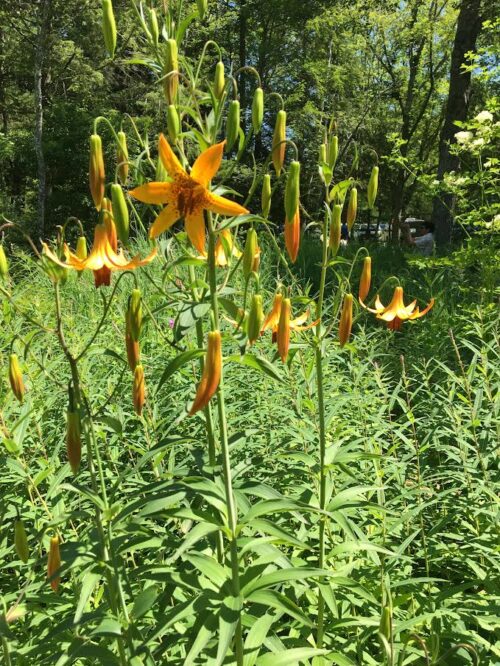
[4,264]
[279,136]
[202,8]
[16,377]
[255,318]
[109,27]
[372,187]
[120,212]
[232,124]
[352,208]
[385,626]
[333,151]
[219,80]
[122,157]
[322,154]
[249,252]
[266,195]
[171,64]
[81,249]
[335,229]
[135,314]
[21,541]
[153,23]
[292,190]
[257,110]
[173,123]
[97,176]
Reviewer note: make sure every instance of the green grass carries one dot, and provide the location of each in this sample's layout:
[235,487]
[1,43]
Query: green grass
[412,436]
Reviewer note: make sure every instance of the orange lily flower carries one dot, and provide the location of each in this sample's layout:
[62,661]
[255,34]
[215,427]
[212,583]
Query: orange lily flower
[397,312]
[187,196]
[220,252]
[273,318]
[102,260]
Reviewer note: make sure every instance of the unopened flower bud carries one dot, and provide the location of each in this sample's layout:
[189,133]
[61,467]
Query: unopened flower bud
[279,145]
[173,123]
[96,170]
[257,110]
[255,318]
[249,252]
[352,208]
[284,329]
[54,563]
[109,27]
[266,194]
[122,157]
[219,80]
[16,377]
[372,187]
[366,278]
[171,64]
[21,541]
[345,323]
[232,124]
[120,212]
[335,229]
[292,190]
[4,264]
[211,375]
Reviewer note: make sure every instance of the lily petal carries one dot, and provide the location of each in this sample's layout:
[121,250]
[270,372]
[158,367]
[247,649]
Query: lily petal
[169,158]
[153,193]
[420,313]
[195,228]
[207,164]
[223,206]
[168,216]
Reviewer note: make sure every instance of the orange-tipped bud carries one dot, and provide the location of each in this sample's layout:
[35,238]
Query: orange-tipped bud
[284,329]
[292,236]
[73,434]
[132,346]
[211,373]
[97,176]
[366,279]
[279,145]
[122,157]
[352,208]
[138,391]
[345,324]
[54,563]
[16,377]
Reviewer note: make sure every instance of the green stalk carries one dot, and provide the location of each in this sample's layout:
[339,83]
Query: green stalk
[224,443]
[322,430]
[6,652]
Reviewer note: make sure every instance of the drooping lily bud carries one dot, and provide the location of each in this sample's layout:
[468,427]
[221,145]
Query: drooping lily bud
[173,123]
[122,157]
[366,278]
[257,110]
[54,563]
[73,433]
[333,151]
[135,313]
[131,345]
[16,377]
[335,229]
[97,176]
[202,8]
[219,80]
[109,27]
[232,124]
[266,194]
[352,208]
[106,217]
[345,323]
[249,252]
[211,375]
[138,392]
[279,145]
[4,264]
[81,249]
[372,187]
[292,236]
[284,329]
[255,318]
[120,212]
[21,541]
[153,26]
[292,190]
[171,64]
[322,154]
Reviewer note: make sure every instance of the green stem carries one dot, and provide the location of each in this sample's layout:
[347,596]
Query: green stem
[6,652]
[224,443]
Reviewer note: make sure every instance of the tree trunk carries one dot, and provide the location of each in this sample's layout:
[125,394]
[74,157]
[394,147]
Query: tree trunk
[468,29]
[41,45]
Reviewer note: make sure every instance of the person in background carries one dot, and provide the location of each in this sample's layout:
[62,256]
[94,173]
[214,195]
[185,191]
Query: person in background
[425,242]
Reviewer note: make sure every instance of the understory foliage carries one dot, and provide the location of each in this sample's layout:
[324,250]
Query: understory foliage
[322,490]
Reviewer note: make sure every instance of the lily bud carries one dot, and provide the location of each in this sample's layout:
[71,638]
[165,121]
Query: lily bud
[266,194]
[120,212]
[284,329]
[352,208]
[173,123]
[81,249]
[211,373]
[322,154]
[255,318]
[366,278]
[232,124]
[335,229]
[138,392]
[131,345]
[106,216]
[21,541]
[385,626]
[333,151]
[279,145]
[257,110]
[135,314]
[292,190]
[171,64]
[372,187]
[249,252]
[219,80]
[109,27]
[122,157]
[202,8]
[345,323]
[292,236]
[96,170]
[73,433]
[153,24]
[4,264]
[16,377]
[54,563]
